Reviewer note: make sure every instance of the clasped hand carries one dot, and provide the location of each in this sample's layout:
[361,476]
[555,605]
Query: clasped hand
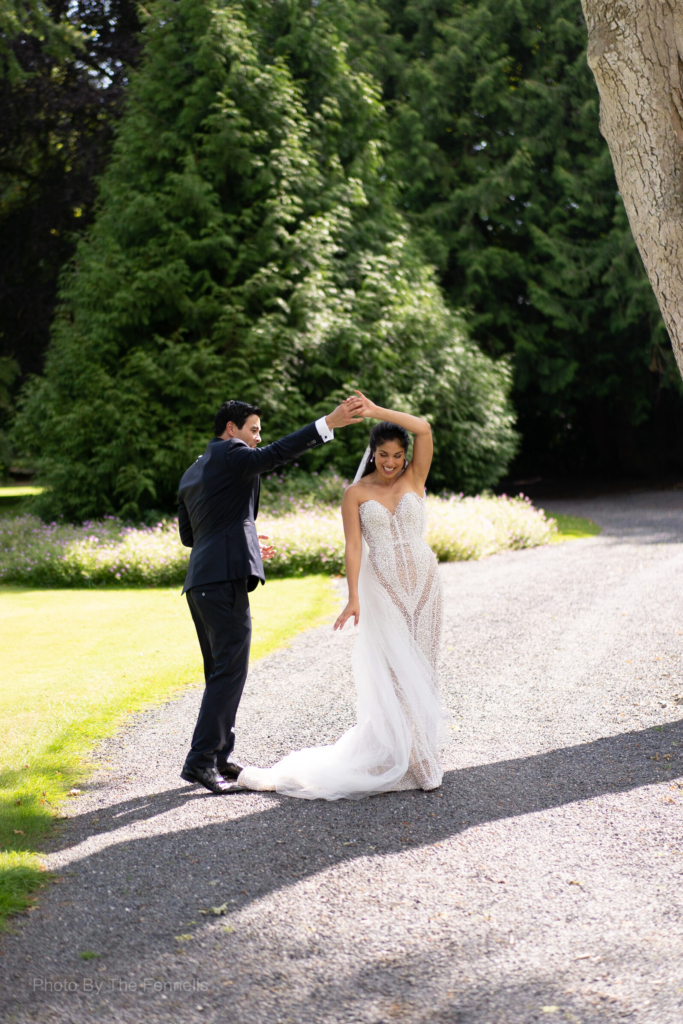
[345,413]
[353,409]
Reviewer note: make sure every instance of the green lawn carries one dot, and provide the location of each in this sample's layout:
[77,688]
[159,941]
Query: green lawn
[572,527]
[17,499]
[75,664]
[20,491]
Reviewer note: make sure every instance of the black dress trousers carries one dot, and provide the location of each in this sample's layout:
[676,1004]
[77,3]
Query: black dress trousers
[223,622]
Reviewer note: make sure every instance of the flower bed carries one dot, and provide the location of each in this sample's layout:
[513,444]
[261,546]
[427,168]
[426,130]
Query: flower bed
[307,540]
[96,553]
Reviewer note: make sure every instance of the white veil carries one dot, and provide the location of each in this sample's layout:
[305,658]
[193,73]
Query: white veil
[363,463]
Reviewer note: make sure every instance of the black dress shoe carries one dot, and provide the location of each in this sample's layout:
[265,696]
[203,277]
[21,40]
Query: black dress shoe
[230,770]
[211,779]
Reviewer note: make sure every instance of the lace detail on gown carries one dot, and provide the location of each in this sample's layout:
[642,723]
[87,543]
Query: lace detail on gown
[405,567]
[395,743]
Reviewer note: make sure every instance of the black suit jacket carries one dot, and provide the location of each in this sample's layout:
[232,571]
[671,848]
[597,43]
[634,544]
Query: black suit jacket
[218,501]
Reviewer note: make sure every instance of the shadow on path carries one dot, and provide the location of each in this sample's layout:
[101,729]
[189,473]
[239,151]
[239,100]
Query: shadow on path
[169,875]
[651,517]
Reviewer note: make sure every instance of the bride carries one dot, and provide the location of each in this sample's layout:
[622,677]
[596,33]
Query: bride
[395,594]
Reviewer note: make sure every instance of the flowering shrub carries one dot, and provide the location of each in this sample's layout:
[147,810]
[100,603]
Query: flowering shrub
[107,551]
[308,538]
[294,489]
[461,528]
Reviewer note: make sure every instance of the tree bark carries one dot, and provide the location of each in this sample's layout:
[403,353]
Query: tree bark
[635,51]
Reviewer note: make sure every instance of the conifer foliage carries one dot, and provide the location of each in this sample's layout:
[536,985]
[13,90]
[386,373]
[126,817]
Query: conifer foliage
[246,245]
[503,175]
[63,74]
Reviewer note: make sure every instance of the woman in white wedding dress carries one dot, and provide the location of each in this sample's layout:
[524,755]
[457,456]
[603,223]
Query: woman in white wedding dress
[395,595]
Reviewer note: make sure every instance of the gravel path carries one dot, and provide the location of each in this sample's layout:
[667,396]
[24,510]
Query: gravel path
[542,882]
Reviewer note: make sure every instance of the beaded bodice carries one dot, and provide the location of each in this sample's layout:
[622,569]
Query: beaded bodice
[405,566]
[382,528]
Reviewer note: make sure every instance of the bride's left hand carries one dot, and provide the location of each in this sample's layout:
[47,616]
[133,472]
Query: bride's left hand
[352,608]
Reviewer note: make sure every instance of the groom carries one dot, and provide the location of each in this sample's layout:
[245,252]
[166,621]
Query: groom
[218,500]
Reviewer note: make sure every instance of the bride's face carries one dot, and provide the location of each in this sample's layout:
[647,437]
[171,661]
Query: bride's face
[389,459]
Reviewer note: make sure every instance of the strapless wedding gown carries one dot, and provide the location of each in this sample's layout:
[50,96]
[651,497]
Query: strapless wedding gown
[395,743]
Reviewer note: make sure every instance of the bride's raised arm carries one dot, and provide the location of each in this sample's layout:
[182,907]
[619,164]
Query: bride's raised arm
[423,446]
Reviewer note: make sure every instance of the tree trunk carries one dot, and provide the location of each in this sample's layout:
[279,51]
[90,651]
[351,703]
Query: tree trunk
[635,51]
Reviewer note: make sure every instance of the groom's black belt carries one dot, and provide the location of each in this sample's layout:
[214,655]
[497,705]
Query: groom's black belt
[252,583]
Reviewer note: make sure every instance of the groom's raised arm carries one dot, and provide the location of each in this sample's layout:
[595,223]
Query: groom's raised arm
[255,461]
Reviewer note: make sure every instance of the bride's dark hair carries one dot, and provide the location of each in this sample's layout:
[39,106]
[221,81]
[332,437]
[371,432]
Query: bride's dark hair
[380,434]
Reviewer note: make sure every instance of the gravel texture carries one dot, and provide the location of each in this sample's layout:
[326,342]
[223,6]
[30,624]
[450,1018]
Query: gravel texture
[542,882]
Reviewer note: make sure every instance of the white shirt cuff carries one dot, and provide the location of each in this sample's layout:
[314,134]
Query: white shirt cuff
[323,429]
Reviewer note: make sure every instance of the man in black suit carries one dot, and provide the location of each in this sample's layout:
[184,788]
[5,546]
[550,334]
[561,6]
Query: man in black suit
[218,500]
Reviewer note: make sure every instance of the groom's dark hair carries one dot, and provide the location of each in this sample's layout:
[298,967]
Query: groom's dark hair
[233,412]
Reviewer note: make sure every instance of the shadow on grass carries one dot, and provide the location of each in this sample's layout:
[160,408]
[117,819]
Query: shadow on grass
[13,504]
[31,796]
[20,875]
[27,817]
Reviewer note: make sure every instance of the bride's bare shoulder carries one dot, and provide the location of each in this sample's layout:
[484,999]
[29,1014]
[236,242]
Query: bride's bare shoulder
[354,493]
[355,489]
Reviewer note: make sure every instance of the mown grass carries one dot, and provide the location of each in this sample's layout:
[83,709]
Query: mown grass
[19,491]
[17,498]
[76,664]
[572,527]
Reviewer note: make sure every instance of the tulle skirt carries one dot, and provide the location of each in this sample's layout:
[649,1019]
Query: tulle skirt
[395,743]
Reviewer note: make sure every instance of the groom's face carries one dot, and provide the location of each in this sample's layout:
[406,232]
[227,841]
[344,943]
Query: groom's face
[250,433]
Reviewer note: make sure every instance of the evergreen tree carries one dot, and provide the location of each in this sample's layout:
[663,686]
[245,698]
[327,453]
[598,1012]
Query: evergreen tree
[63,70]
[502,173]
[247,246]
